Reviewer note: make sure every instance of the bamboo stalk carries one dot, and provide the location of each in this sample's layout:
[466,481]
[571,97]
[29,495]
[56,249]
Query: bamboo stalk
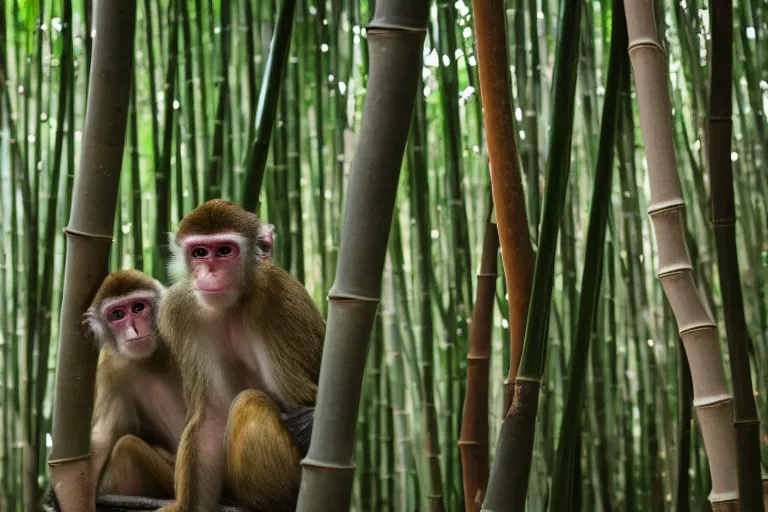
[508,194]
[508,481]
[713,402]
[592,276]
[89,236]
[266,113]
[746,422]
[162,174]
[473,440]
[395,41]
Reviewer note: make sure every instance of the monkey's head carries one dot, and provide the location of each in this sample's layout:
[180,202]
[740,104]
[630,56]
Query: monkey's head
[215,245]
[122,313]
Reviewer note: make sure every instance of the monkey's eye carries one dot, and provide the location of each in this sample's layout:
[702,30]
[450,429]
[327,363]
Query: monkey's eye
[118,314]
[224,250]
[138,307]
[200,252]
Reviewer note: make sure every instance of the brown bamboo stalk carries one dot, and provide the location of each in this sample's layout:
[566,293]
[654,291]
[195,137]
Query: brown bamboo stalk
[719,132]
[473,440]
[711,398]
[89,237]
[506,181]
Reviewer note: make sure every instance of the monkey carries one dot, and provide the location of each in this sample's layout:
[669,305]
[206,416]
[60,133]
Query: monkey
[249,340]
[139,406]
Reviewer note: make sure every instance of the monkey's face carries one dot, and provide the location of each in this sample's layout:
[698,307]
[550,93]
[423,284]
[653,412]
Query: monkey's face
[131,321]
[217,264]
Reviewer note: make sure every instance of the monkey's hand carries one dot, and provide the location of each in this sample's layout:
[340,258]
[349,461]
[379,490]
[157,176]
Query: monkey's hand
[298,423]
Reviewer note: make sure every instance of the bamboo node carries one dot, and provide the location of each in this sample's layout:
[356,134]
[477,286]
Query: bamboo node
[73,232]
[351,297]
[314,463]
[66,460]
[645,42]
[698,327]
[677,268]
[677,203]
[726,222]
[711,400]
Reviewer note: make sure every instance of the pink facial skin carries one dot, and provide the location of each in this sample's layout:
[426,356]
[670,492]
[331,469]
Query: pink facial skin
[215,261]
[129,320]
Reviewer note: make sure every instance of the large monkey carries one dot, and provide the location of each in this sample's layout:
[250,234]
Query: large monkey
[248,339]
[139,396]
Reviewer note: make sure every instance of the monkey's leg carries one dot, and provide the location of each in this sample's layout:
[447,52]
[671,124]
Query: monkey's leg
[262,458]
[136,469]
[168,456]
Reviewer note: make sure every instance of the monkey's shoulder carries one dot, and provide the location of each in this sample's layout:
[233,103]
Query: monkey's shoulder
[174,311]
[279,289]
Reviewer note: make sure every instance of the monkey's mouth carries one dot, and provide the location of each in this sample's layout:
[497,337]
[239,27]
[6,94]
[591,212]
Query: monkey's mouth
[211,291]
[134,341]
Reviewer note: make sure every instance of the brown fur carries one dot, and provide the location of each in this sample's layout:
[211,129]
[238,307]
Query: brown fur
[136,469]
[217,216]
[257,444]
[263,459]
[120,425]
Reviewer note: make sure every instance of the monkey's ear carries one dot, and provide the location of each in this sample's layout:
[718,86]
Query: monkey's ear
[177,265]
[93,322]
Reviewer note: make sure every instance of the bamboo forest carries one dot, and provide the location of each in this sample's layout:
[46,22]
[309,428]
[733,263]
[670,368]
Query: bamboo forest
[530,237]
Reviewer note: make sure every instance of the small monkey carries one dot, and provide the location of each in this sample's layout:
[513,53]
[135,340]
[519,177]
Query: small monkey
[139,406]
[248,339]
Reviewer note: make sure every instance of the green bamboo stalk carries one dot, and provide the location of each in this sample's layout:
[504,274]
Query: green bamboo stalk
[202,79]
[191,105]
[136,217]
[321,40]
[396,372]
[395,39]
[88,242]
[593,269]
[269,94]
[46,295]
[295,171]
[213,182]
[508,482]
[155,133]
[420,205]
[163,173]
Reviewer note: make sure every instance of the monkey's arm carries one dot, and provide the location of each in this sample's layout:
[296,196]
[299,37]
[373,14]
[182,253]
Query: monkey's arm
[299,424]
[110,422]
[201,460]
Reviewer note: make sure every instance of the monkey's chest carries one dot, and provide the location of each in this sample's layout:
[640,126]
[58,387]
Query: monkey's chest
[160,408]
[246,364]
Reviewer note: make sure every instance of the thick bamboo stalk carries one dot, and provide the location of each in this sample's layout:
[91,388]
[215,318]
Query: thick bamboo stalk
[719,131]
[89,236]
[508,194]
[473,441]
[712,400]
[395,42]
